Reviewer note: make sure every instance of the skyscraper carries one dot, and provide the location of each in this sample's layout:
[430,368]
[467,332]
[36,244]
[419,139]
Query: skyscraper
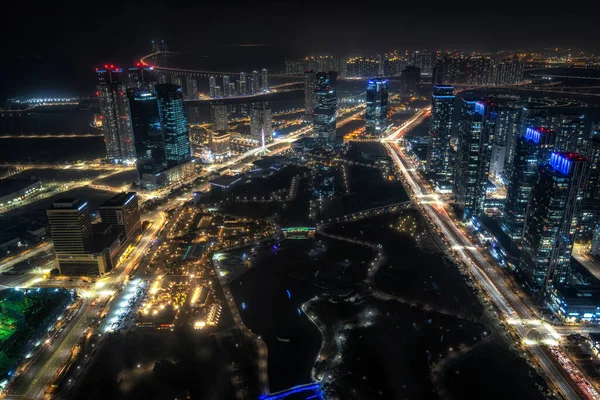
[114,111]
[590,205]
[149,141]
[310,84]
[438,151]
[532,150]
[173,124]
[423,61]
[122,211]
[141,77]
[325,113]
[212,85]
[569,130]
[218,112]
[476,130]
[265,80]
[377,106]
[191,87]
[243,90]
[260,122]
[409,77]
[552,219]
[226,87]
[72,235]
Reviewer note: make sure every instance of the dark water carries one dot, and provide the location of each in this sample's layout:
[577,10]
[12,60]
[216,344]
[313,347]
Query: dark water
[52,150]
[47,120]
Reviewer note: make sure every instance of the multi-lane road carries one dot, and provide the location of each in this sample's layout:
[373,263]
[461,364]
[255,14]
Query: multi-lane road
[517,310]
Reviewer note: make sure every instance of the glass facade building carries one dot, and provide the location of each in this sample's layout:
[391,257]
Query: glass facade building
[532,150]
[438,151]
[476,131]
[173,123]
[325,113]
[114,111]
[377,107]
[147,132]
[551,220]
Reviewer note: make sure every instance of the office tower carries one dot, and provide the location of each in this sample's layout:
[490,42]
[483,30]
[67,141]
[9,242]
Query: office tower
[377,106]
[440,128]
[122,211]
[265,80]
[261,125]
[569,130]
[141,77]
[226,87]
[476,129]
[422,60]
[310,84]
[410,78]
[243,90]
[72,235]
[532,150]
[218,112]
[590,205]
[70,226]
[255,82]
[191,87]
[149,142]
[114,111]
[325,113]
[552,219]
[220,144]
[212,84]
[505,140]
[173,124]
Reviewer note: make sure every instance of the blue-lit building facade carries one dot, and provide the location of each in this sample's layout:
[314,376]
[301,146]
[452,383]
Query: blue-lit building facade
[476,131]
[551,221]
[377,107]
[438,151]
[148,135]
[532,150]
[174,124]
[114,112]
[325,113]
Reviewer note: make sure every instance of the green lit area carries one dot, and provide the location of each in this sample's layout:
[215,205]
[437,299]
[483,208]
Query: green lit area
[25,315]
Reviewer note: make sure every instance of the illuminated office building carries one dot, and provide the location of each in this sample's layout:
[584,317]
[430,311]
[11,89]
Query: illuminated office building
[551,221]
[325,113]
[212,86]
[141,77]
[532,150]
[440,127]
[310,84]
[218,113]
[191,87]
[377,107]
[590,205]
[173,124]
[265,80]
[226,86]
[261,123]
[149,141]
[122,211]
[114,111]
[476,131]
[569,130]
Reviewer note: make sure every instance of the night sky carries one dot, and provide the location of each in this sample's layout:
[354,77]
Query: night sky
[51,48]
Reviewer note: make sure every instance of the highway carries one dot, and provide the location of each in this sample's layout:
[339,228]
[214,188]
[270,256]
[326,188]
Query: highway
[9,263]
[512,307]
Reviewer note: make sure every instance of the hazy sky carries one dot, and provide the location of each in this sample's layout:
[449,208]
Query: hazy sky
[55,45]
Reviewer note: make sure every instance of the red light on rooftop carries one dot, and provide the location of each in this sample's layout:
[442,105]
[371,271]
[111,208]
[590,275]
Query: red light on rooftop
[105,66]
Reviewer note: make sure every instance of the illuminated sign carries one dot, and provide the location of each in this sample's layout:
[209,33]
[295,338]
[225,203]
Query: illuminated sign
[559,162]
[480,107]
[533,135]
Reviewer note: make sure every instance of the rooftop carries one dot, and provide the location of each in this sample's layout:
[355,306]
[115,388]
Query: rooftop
[119,200]
[226,181]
